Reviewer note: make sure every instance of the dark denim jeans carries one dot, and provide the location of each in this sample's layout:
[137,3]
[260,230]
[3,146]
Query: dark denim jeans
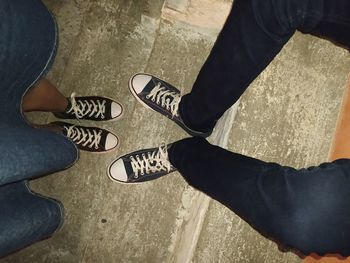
[28,40]
[254,33]
[307,210]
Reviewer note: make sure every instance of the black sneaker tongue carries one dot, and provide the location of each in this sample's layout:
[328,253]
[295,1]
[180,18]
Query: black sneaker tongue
[150,85]
[103,139]
[128,168]
[108,109]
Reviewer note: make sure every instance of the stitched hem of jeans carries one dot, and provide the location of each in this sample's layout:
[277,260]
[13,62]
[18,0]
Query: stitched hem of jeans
[62,214]
[185,121]
[36,176]
[59,203]
[171,154]
[77,151]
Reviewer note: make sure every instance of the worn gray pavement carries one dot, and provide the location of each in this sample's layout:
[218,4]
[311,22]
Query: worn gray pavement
[288,115]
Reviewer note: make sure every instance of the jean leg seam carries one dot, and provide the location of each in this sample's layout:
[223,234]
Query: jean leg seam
[57,202]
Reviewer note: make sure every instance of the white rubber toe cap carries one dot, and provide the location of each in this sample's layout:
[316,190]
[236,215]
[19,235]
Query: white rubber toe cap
[111,141]
[116,110]
[139,82]
[117,171]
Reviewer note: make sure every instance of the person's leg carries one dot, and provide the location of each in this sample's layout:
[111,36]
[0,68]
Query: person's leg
[44,97]
[254,33]
[306,210]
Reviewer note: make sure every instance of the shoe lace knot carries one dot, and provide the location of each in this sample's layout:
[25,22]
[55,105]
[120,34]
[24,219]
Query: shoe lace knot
[92,108]
[165,98]
[151,162]
[84,137]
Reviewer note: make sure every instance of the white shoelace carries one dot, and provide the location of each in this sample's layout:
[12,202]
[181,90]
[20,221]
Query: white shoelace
[91,108]
[151,162]
[167,99]
[84,137]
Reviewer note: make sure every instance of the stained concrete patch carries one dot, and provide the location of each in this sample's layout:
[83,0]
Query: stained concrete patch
[204,14]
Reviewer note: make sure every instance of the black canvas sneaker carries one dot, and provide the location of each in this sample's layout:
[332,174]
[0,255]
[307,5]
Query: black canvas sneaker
[89,139]
[141,166]
[162,97]
[91,108]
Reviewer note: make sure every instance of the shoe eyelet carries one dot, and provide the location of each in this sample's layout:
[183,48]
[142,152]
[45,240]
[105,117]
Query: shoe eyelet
[136,176]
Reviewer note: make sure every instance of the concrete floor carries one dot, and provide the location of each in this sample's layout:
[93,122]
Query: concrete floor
[288,115]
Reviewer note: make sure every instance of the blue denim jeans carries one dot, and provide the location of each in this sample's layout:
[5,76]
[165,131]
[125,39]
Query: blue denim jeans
[28,42]
[306,210]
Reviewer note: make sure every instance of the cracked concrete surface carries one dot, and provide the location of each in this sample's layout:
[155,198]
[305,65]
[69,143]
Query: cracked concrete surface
[288,115]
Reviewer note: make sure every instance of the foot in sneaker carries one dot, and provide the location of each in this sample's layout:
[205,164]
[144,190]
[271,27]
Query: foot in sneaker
[162,97]
[89,139]
[141,166]
[91,108]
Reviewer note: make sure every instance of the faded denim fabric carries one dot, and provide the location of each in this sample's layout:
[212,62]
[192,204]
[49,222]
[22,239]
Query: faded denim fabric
[28,43]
